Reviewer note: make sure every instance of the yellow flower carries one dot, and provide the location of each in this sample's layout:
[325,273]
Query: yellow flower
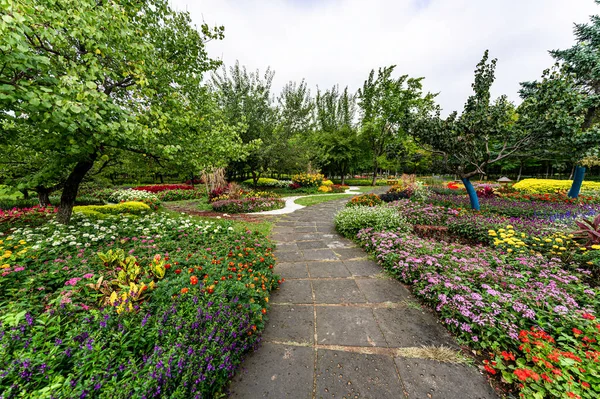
[509,227]
[595,246]
[548,240]
[558,240]
[22,242]
[5,266]
[562,249]
[583,248]
[509,250]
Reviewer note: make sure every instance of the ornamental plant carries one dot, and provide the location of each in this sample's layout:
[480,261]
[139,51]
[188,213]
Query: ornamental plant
[545,367]
[308,179]
[542,186]
[21,217]
[364,200]
[134,195]
[180,195]
[350,220]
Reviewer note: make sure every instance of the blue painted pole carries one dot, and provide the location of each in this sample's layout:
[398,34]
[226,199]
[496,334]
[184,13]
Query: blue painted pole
[472,194]
[577,181]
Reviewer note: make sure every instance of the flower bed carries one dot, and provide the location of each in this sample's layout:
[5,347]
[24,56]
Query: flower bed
[542,186]
[20,217]
[157,188]
[349,221]
[487,299]
[180,195]
[193,305]
[364,200]
[248,205]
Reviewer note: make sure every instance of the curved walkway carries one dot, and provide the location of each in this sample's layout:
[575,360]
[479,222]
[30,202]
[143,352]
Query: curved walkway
[291,206]
[339,328]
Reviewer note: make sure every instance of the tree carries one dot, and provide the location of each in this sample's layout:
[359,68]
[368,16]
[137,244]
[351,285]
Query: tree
[291,150]
[567,99]
[485,132]
[388,107]
[245,98]
[81,78]
[336,141]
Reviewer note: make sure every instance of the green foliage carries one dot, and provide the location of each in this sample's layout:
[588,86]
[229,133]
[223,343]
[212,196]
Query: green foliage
[101,78]
[364,200]
[349,221]
[388,109]
[131,207]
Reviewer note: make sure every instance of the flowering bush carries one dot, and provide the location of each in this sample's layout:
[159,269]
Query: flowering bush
[416,213]
[157,188]
[134,195]
[339,188]
[130,207]
[364,200]
[308,179]
[560,196]
[485,191]
[20,217]
[325,189]
[208,288]
[267,182]
[349,221]
[548,367]
[542,186]
[248,205]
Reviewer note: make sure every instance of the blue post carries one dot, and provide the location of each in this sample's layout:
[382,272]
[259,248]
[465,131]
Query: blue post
[472,194]
[577,181]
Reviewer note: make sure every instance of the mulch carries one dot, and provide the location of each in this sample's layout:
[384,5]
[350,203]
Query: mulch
[190,209]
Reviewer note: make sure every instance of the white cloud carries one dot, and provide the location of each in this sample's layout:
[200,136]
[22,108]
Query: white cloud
[331,42]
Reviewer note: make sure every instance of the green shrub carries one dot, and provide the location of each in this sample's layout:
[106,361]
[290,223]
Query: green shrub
[360,182]
[248,205]
[132,207]
[350,221]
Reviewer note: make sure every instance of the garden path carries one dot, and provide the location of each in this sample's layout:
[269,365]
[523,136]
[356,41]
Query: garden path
[339,328]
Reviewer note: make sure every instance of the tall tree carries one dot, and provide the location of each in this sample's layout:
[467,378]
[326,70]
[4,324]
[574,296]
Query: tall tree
[388,107]
[290,150]
[485,132]
[336,140]
[245,98]
[567,99]
[80,78]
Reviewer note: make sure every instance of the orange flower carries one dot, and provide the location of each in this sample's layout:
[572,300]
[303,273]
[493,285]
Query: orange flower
[193,280]
[184,290]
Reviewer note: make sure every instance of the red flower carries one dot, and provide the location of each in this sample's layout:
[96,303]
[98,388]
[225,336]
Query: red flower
[193,280]
[177,271]
[508,356]
[589,316]
[489,369]
[522,374]
[576,331]
[585,384]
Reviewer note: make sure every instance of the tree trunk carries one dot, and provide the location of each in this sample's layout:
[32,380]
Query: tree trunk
[43,196]
[472,193]
[577,182]
[255,177]
[71,187]
[520,170]
[572,171]
[375,167]
[25,194]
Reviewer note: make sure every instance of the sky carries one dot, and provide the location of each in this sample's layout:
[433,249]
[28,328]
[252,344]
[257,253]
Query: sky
[329,42]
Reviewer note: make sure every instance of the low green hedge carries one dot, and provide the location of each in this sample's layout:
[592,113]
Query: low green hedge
[349,221]
[131,207]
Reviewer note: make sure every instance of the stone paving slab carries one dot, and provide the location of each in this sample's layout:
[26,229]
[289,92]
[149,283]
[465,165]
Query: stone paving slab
[291,270]
[424,378]
[354,375]
[293,291]
[276,371]
[362,267]
[326,269]
[350,326]
[315,244]
[383,290]
[290,323]
[319,254]
[350,253]
[408,327]
[337,291]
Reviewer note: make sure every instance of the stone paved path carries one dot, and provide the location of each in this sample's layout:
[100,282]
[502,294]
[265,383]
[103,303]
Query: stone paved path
[339,328]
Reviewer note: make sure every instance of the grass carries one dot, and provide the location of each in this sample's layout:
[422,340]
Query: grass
[313,200]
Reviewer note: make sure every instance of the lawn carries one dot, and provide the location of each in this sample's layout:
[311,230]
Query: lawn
[317,199]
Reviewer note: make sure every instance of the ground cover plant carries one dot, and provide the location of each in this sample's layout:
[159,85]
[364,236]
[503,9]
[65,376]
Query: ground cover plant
[543,186]
[129,306]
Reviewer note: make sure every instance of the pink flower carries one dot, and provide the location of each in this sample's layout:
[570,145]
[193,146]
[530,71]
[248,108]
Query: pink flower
[19,269]
[73,281]
[88,275]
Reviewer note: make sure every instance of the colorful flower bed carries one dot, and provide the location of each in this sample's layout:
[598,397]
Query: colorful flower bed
[543,186]
[490,301]
[308,179]
[157,188]
[20,217]
[129,307]
[364,200]
[180,195]
[248,205]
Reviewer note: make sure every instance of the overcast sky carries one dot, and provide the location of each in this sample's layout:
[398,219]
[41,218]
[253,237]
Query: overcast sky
[331,42]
